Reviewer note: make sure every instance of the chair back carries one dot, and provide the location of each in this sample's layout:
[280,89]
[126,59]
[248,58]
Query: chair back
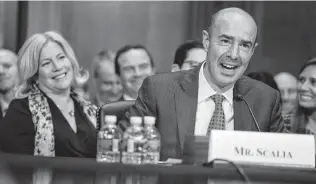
[114,108]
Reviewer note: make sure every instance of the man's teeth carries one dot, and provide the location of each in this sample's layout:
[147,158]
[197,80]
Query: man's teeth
[60,76]
[229,66]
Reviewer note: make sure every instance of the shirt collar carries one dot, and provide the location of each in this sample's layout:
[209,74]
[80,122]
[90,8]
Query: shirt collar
[127,97]
[205,90]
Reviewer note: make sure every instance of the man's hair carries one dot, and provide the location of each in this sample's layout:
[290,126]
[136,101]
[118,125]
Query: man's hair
[264,77]
[127,48]
[102,56]
[6,52]
[183,49]
[213,19]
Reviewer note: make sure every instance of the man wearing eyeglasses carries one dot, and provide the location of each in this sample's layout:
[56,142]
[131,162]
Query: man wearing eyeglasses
[188,55]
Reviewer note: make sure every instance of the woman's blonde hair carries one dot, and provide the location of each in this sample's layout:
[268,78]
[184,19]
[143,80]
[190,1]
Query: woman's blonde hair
[29,57]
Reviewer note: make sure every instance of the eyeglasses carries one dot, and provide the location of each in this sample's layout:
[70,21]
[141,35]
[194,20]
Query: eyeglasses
[191,63]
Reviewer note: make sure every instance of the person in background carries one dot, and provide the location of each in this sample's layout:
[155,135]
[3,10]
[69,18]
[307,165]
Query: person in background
[9,78]
[48,118]
[304,116]
[83,90]
[287,83]
[133,63]
[188,55]
[264,77]
[108,84]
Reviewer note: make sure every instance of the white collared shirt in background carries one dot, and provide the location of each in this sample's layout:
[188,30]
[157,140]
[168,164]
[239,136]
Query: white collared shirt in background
[127,97]
[206,106]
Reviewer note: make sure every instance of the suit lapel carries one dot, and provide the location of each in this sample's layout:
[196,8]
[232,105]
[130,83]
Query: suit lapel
[121,99]
[242,116]
[186,104]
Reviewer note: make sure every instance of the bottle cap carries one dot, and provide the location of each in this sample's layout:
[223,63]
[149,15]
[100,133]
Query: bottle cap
[136,120]
[110,119]
[149,120]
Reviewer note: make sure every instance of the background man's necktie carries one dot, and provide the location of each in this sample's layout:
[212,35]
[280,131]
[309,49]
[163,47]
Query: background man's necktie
[218,118]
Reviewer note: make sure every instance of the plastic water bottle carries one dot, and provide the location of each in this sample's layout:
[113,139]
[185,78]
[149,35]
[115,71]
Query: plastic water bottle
[133,139]
[151,153]
[109,138]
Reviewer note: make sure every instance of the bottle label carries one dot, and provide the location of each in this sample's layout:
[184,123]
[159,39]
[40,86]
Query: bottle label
[106,144]
[153,145]
[115,145]
[100,135]
[130,145]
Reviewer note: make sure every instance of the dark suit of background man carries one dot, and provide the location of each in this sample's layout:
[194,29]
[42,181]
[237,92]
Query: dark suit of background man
[182,102]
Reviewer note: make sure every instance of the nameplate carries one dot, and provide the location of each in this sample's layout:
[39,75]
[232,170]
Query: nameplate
[271,149]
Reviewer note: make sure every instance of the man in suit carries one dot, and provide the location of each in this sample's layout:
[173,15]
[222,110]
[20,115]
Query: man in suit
[9,78]
[188,55]
[213,95]
[133,63]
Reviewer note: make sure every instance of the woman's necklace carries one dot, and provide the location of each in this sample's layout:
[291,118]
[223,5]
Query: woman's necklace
[71,112]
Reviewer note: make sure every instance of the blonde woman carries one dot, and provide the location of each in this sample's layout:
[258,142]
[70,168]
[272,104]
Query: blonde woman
[48,118]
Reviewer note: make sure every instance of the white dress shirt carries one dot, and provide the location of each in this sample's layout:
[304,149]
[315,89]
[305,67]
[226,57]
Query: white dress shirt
[127,97]
[206,106]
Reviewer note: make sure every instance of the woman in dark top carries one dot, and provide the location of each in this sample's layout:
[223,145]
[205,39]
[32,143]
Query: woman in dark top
[48,117]
[304,118]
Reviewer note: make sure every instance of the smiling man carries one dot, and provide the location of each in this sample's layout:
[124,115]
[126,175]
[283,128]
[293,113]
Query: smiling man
[133,63]
[213,95]
[9,78]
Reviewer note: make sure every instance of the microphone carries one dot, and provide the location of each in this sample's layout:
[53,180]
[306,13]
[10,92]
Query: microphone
[239,97]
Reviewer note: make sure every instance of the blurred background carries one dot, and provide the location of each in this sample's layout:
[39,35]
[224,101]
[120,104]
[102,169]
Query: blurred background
[287,30]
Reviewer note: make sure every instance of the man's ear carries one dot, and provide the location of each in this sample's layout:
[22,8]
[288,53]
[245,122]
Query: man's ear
[254,48]
[205,40]
[153,71]
[175,68]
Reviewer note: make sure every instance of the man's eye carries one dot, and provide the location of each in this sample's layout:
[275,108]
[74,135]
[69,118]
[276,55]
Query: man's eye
[127,69]
[225,41]
[246,46]
[7,66]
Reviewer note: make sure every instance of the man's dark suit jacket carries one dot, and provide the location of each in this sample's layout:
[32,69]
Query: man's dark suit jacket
[172,99]
[1,115]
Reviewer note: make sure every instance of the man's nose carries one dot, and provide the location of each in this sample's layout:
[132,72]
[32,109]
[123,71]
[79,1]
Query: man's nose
[137,72]
[286,95]
[233,52]
[1,70]
[115,88]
